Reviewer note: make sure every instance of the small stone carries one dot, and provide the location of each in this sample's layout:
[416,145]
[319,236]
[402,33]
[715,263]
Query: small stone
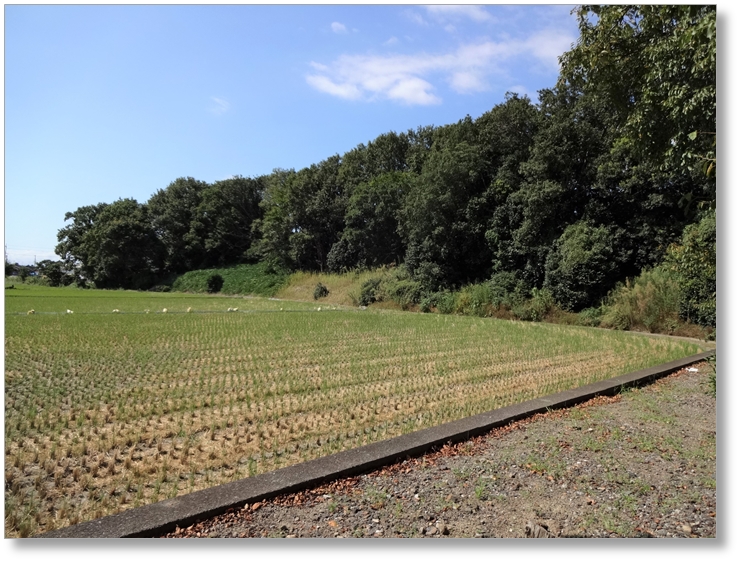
[431,531]
[686,529]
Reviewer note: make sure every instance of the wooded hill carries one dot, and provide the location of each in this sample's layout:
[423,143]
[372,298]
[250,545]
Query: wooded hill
[611,172]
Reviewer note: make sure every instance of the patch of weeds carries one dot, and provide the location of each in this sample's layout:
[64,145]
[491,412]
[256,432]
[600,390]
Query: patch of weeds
[709,483]
[615,526]
[332,506]
[481,490]
[376,498]
[592,444]
[358,533]
[460,473]
[646,444]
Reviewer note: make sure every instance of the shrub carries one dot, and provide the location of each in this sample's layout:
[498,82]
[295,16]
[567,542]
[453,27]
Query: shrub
[651,301]
[695,265]
[445,302]
[404,291]
[369,291]
[474,300]
[320,291]
[536,308]
[590,317]
[214,283]
[506,289]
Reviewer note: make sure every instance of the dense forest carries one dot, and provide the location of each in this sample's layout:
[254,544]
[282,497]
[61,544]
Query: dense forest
[610,173]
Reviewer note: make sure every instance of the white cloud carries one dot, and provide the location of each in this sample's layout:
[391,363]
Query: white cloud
[391,41]
[410,78]
[337,27]
[475,13]
[219,106]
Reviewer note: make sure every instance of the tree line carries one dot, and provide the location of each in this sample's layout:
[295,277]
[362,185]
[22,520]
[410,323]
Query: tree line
[587,187]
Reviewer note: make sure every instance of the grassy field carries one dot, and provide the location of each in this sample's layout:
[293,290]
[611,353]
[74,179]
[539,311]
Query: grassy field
[105,411]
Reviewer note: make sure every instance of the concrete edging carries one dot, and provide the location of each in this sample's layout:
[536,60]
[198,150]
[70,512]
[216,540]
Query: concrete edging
[162,517]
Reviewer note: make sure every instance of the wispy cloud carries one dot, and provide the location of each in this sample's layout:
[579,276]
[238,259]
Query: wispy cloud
[475,13]
[337,27]
[391,41]
[410,78]
[219,106]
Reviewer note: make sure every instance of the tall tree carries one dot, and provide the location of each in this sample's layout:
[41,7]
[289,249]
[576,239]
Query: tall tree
[657,65]
[113,245]
[173,211]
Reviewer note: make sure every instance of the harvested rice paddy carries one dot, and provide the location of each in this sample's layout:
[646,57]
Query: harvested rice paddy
[108,410]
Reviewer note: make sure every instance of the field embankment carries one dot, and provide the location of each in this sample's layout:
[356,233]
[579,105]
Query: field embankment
[250,279]
[110,410]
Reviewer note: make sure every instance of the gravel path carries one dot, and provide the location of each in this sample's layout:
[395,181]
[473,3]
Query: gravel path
[640,464]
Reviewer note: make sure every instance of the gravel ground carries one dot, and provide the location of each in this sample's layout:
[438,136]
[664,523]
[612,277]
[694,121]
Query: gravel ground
[640,464]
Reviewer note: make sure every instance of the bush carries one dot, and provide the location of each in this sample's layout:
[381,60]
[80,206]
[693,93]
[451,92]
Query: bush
[474,300]
[695,265]
[369,291]
[214,283]
[320,291]
[651,301]
[445,302]
[507,290]
[404,291]
[536,308]
[590,317]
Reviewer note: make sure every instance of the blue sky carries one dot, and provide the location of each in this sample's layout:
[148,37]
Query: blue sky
[107,102]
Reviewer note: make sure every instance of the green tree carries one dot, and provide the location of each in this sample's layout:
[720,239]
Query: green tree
[113,245]
[174,211]
[370,237]
[657,65]
[224,219]
[583,265]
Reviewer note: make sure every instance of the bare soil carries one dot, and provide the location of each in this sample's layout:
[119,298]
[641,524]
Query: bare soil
[640,464]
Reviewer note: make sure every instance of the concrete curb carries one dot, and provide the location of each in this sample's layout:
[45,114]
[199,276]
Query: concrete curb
[162,517]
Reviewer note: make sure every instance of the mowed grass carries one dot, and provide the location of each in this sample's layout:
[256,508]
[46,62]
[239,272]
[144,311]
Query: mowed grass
[107,411]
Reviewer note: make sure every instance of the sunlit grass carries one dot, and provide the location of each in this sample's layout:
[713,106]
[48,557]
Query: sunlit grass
[107,411]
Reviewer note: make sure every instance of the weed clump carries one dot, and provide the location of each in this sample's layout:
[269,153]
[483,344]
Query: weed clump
[320,291]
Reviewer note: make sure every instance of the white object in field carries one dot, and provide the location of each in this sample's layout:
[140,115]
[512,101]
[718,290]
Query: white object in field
[69,311]
[693,370]
[164,310]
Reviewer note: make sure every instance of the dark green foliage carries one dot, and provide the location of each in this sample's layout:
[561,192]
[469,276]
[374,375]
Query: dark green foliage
[23,273]
[657,66]
[445,302]
[695,263]
[320,291]
[113,245]
[507,290]
[215,283]
[369,291]
[56,273]
[583,265]
[370,238]
[174,211]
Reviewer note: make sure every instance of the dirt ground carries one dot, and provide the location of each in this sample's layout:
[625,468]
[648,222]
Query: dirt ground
[640,464]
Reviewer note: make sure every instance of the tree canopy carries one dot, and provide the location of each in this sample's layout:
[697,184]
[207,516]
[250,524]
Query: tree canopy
[575,192]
